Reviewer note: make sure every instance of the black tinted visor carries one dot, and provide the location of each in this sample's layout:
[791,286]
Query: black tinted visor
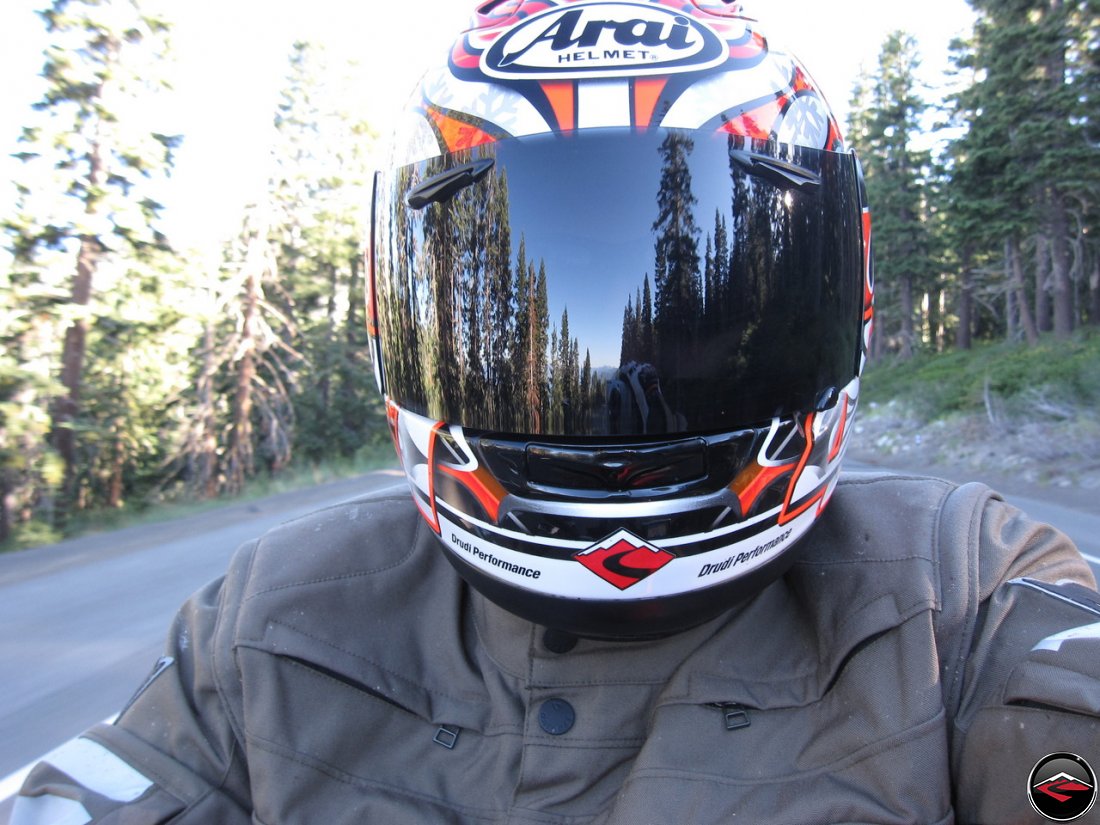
[617,283]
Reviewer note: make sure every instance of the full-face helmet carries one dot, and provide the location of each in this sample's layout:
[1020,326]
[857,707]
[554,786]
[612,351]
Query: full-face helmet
[620,302]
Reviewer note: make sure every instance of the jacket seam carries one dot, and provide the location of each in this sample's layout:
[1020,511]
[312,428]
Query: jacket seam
[862,560]
[334,773]
[236,724]
[905,614]
[892,477]
[868,751]
[328,579]
[258,644]
[970,609]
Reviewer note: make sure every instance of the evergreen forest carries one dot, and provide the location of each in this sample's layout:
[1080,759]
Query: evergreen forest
[134,372]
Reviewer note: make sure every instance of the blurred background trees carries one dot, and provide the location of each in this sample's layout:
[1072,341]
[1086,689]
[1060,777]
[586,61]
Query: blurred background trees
[132,371]
[986,205]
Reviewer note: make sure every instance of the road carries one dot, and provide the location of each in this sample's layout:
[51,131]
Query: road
[82,622]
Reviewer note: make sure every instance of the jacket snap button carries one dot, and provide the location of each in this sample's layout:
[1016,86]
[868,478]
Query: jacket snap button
[558,641]
[556,716]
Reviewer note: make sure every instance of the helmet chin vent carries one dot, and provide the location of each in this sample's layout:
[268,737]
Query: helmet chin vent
[654,528]
[623,470]
[650,468]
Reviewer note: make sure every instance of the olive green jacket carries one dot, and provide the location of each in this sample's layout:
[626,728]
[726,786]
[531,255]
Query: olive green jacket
[908,669]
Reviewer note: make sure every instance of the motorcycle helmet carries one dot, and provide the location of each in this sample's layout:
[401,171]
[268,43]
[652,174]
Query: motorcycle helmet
[620,299]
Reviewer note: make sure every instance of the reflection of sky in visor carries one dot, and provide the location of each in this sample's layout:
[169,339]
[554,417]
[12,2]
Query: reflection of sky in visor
[587,209]
[466,342]
[586,206]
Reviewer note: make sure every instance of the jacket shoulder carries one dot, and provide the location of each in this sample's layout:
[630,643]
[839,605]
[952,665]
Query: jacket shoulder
[335,573]
[332,592]
[359,537]
[909,543]
[966,538]
[875,551]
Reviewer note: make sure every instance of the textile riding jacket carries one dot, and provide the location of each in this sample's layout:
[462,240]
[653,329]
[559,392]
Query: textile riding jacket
[928,648]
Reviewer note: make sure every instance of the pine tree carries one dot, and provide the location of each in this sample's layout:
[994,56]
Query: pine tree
[258,374]
[1025,164]
[884,135]
[85,207]
[677,275]
[320,193]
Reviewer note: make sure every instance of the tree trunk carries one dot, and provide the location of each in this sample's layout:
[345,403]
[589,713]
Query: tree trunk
[905,301]
[118,466]
[1059,247]
[965,305]
[73,351]
[206,450]
[67,407]
[1016,286]
[239,453]
[1011,322]
[1054,70]
[1094,295]
[7,507]
[1042,284]
[941,320]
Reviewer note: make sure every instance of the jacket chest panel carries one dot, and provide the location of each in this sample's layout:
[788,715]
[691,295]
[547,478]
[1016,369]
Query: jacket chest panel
[375,761]
[870,748]
[581,751]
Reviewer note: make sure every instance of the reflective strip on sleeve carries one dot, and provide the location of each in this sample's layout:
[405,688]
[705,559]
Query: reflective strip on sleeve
[99,770]
[1088,631]
[48,810]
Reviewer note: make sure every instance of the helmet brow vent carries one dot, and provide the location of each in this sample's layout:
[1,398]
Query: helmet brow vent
[779,172]
[444,186]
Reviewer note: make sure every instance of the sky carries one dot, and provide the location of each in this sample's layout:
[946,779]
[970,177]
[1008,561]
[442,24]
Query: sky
[231,61]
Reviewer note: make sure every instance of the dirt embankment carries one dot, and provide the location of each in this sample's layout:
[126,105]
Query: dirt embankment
[1054,455]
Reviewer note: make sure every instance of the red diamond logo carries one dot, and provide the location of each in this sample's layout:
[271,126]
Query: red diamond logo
[623,559]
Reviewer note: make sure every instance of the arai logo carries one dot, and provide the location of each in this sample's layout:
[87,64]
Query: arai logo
[604,40]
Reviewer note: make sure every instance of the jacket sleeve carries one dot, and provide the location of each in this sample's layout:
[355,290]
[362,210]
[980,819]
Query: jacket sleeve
[1026,683]
[171,755]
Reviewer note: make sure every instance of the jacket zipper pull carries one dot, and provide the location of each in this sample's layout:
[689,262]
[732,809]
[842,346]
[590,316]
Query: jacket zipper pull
[736,716]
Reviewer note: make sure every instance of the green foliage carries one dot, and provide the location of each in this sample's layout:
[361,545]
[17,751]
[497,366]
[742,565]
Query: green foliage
[1024,171]
[179,380]
[1059,372]
[151,509]
[83,224]
[132,378]
[31,534]
[885,129]
[319,194]
[91,149]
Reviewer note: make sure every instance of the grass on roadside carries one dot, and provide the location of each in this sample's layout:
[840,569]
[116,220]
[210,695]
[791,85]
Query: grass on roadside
[294,477]
[1058,378]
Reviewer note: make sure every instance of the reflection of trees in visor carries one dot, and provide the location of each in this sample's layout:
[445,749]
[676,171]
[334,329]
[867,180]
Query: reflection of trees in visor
[754,317]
